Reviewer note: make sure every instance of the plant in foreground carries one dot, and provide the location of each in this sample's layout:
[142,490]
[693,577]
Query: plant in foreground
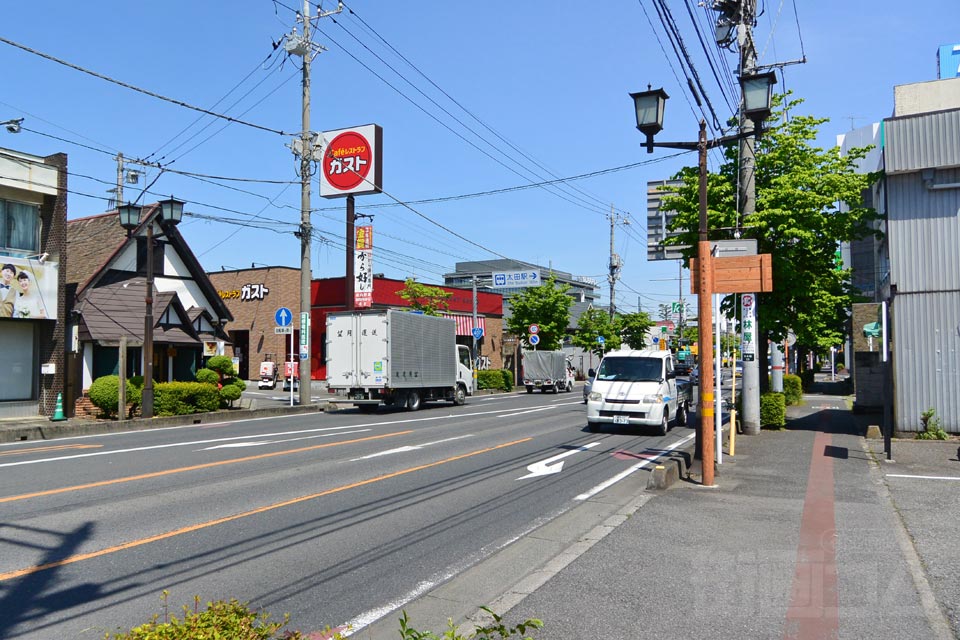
[932,427]
[486,632]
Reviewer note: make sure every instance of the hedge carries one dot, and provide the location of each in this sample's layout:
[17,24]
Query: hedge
[792,389]
[773,410]
[492,379]
[183,398]
[104,393]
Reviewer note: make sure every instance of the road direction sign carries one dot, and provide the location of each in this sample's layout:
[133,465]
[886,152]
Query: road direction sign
[534,339]
[477,333]
[283,317]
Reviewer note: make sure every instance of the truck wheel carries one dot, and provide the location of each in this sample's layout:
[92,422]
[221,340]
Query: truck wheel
[413,401]
[529,389]
[460,395]
[556,387]
[682,414]
[593,427]
[664,425]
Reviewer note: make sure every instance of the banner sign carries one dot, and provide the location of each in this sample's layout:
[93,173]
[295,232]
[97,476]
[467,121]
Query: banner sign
[28,288]
[363,267]
[351,161]
[511,279]
[748,327]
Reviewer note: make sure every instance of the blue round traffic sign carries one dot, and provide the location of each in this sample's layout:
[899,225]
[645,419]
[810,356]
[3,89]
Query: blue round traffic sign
[601,339]
[283,317]
[477,332]
[534,339]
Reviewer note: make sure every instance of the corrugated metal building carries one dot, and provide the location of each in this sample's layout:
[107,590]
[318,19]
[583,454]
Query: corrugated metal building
[921,198]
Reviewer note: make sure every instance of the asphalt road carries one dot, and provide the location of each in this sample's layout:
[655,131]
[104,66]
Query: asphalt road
[334,518]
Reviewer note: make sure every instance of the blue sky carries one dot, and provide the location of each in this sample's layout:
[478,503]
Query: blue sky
[540,92]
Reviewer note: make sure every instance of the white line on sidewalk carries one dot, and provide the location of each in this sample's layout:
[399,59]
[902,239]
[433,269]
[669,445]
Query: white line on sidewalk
[901,475]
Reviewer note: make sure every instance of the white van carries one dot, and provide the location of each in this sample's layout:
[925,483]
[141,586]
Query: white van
[638,388]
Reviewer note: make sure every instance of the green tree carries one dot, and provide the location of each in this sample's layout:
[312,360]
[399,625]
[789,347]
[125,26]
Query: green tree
[798,220]
[664,311]
[634,329]
[547,306]
[596,323]
[425,298]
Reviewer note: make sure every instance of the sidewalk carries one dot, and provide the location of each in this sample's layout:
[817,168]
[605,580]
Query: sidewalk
[804,537]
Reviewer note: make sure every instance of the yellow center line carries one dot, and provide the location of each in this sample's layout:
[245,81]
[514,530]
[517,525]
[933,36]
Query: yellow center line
[237,516]
[206,465]
[59,447]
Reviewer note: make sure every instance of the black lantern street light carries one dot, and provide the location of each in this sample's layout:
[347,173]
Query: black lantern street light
[171,210]
[649,106]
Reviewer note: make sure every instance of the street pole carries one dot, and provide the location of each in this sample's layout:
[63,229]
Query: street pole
[349,280]
[704,292]
[473,353]
[614,266]
[306,230]
[146,405]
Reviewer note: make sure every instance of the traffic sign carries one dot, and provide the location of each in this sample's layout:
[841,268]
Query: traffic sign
[283,317]
[601,339]
[303,352]
[477,333]
[283,330]
[534,339]
[534,329]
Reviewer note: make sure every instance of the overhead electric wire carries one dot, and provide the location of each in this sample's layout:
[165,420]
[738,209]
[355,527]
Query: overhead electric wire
[127,85]
[706,51]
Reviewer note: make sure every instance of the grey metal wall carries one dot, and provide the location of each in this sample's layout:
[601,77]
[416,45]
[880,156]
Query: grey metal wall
[926,351]
[920,141]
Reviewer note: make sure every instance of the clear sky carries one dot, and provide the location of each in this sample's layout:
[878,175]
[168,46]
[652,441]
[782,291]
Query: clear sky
[486,97]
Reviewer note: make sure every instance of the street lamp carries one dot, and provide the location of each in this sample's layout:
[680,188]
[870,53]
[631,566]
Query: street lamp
[171,210]
[649,106]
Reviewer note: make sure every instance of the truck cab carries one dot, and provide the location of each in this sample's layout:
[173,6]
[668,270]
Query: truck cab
[638,388]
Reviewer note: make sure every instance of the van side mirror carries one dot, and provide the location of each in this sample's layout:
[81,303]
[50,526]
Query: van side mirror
[592,373]
[671,375]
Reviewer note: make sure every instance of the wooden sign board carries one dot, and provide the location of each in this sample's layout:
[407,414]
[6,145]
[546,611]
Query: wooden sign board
[742,274]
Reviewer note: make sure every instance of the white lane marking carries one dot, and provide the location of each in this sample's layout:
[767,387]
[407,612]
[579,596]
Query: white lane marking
[535,409]
[900,475]
[409,448]
[551,465]
[258,444]
[640,465]
[169,445]
[259,435]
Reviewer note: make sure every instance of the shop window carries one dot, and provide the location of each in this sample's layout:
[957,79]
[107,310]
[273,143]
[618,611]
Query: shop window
[19,226]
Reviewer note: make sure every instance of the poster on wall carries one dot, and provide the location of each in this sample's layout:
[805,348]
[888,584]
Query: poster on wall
[28,288]
[363,267]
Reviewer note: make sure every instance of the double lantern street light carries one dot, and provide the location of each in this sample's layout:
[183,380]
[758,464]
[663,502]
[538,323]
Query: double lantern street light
[171,210]
[649,105]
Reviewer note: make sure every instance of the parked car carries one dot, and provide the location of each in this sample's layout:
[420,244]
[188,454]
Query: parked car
[738,369]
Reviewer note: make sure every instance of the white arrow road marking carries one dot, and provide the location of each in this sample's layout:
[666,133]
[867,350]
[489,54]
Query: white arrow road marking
[550,465]
[406,448]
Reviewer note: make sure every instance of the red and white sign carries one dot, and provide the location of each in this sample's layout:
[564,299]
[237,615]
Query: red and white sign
[363,267]
[351,161]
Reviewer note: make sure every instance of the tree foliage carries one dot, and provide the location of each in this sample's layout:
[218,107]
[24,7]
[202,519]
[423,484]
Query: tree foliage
[547,306]
[799,220]
[634,328]
[596,323]
[423,297]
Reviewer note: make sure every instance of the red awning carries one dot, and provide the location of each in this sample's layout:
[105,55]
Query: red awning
[465,324]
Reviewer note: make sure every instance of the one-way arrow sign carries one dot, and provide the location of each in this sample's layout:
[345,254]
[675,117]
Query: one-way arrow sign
[550,465]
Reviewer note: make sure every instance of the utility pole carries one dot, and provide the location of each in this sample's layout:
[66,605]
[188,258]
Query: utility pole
[303,47]
[615,265]
[748,203]
[119,179]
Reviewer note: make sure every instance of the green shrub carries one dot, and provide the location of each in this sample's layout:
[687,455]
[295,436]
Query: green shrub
[105,394]
[208,376]
[507,379]
[490,379]
[231,620]
[182,398]
[222,365]
[932,427]
[485,632]
[773,410]
[228,394]
[792,389]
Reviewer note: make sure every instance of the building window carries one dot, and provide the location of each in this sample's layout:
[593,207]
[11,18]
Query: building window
[19,226]
[157,256]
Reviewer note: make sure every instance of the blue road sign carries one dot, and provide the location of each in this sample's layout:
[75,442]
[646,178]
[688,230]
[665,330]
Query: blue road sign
[477,333]
[283,317]
[534,339]
[601,339]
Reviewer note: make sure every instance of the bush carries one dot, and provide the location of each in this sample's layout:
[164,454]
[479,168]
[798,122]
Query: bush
[183,398]
[932,427]
[507,379]
[105,394]
[773,410]
[792,389]
[208,376]
[228,394]
[806,378]
[490,379]
[486,632]
[231,620]
[222,365]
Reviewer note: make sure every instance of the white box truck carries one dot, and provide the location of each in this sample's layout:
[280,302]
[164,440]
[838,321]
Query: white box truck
[395,358]
[547,371]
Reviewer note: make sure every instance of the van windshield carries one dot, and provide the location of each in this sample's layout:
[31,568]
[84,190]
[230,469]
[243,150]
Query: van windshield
[631,369]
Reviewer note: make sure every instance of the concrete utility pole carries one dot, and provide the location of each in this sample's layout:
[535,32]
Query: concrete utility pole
[748,204]
[615,265]
[119,179]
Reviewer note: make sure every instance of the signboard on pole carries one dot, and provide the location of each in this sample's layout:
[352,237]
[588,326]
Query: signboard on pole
[513,279]
[351,161]
[748,327]
[363,267]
